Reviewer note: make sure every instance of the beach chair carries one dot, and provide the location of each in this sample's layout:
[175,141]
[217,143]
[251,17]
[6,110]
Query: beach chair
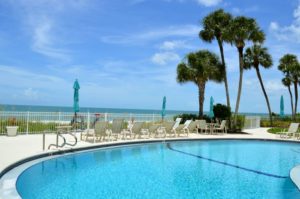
[134,130]
[153,128]
[116,129]
[291,132]
[221,128]
[98,133]
[181,129]
[170,128]
[203,127]
[192,127]
[100,130]
[177,122]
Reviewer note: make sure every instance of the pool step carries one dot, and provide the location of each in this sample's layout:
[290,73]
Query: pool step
[295,175]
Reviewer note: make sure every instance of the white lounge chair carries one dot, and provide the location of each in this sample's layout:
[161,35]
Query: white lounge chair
[116,128]
[203,128]
[153,128]
[167,128]
[181,129]
[192,127]
[291,131]
[220,129]
[100,131]
[133,131]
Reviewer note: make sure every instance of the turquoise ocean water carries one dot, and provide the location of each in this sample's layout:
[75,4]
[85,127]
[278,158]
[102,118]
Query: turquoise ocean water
[33,108]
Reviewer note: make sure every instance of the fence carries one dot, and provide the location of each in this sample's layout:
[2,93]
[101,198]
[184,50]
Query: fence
[37,122]
[252,122]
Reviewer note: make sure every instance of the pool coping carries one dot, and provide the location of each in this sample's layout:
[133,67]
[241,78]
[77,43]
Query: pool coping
[25,163]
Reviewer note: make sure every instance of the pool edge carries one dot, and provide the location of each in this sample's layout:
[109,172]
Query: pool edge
[23,163]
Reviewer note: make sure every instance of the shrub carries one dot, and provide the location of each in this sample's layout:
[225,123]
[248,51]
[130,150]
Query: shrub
[275,130]
[12,121]
[222,111]
[206,118]
[276,123]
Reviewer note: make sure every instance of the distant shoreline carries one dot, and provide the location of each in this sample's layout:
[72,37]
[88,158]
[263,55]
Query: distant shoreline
[37,108]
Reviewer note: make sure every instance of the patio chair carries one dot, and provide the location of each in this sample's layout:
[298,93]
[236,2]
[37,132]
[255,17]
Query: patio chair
[116,128]
[167,128]
[220,129]
[203,128]
[290,132]
[193,127]
[151,130]
[177,122]
[181,129]
[99,132]
[134,130]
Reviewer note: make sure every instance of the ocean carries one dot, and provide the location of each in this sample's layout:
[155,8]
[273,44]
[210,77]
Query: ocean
[34,108]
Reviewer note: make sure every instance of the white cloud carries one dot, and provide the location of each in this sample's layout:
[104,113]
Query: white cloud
[206,3]
[31,94]
[154,34]
[274,86]
[164,58]
[43,41]
[209,3]
[41,21]
[175,44]
[290,32]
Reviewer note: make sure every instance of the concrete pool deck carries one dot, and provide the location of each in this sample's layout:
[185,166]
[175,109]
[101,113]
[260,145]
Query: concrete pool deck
[13,149]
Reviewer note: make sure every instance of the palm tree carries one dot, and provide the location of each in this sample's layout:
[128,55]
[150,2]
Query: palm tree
[214,25]
[200,67]
[290,66]
[286,81]
[258,56]
[240,30]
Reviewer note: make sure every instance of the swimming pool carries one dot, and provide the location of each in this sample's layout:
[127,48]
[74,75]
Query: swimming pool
[186,169]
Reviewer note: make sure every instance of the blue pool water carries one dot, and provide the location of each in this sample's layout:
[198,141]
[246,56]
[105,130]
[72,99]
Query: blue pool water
[194,169]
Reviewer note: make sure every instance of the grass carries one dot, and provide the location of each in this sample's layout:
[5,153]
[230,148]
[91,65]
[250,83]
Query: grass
[276,130]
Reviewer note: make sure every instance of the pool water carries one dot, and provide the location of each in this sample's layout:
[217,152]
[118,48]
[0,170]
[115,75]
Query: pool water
[192,169]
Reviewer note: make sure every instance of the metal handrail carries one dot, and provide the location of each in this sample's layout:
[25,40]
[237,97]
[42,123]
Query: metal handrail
[57,145]
[74,136]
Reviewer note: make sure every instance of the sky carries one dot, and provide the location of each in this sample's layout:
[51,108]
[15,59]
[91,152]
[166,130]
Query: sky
[125,52]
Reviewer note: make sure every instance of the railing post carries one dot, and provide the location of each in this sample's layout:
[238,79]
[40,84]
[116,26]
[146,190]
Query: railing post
[105,117]
[152,117]
[59,117]
[27,123]
[44,138]
[88,121]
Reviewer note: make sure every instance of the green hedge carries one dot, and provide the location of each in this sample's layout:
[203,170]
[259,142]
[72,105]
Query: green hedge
[275,130]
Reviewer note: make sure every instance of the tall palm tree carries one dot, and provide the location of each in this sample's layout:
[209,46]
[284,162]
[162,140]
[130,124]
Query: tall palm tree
[200,67]
[241,30]
[290,66]
[254,57]
[286,81]
[214,25]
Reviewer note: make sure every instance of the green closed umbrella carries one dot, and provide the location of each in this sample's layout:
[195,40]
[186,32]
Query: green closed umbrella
[211,108]
[281,107]
[76,88]
[163,110]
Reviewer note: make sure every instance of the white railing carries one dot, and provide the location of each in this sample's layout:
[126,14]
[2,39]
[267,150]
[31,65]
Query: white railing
[252,122]
[37,122]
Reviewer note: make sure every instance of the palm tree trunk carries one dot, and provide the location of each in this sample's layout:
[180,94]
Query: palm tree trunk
[296,98]
[265,94]
[201,87]
[292,103]
[240,50]
[225,72]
